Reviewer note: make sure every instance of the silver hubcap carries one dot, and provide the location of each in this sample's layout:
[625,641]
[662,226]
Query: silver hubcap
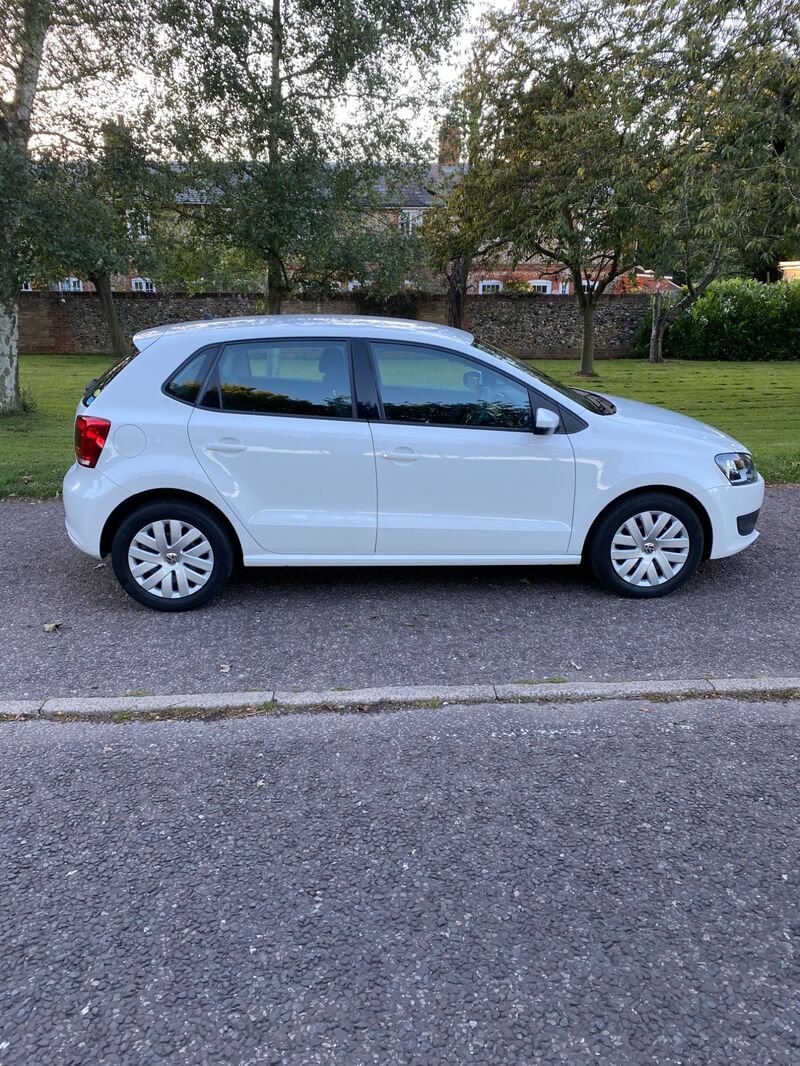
[171,559]
[650,548]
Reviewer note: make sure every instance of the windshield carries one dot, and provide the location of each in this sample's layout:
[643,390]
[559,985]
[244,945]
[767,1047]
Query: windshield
[589,401]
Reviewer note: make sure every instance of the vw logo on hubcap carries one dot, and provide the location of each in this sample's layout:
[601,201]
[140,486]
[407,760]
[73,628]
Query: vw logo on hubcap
[171,557]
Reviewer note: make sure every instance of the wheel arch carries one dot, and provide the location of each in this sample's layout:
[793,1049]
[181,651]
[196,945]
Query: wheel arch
[670,490]
[128,506]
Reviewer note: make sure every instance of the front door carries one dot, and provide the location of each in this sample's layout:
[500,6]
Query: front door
[460,471]
[276,435]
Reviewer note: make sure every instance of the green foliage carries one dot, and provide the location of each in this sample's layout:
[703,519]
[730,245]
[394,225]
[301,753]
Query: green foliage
[735,319]
[91,216]
[402,304]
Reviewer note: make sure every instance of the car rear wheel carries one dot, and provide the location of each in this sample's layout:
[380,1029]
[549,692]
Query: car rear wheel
[172,556]
[646,546]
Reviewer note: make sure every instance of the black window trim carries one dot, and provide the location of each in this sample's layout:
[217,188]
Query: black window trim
[318,340]
[535,398]
[208,348]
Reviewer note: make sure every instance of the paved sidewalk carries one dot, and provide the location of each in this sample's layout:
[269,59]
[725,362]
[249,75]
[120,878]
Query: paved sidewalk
[283,629]
[590,883]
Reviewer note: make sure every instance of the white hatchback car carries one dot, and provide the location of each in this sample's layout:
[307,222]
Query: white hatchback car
[334,440]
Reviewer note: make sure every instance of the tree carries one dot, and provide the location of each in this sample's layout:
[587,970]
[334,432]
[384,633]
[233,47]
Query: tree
[725,74]
[454,235]
[92,217]
[58,67]
[300,114]
[569,154]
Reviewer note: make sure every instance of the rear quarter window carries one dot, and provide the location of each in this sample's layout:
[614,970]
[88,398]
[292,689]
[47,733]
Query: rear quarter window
[186,383]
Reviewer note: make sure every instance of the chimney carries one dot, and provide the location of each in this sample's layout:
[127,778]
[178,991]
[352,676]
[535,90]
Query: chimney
[449,145]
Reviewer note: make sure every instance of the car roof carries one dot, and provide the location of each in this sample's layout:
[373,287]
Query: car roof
[245,328]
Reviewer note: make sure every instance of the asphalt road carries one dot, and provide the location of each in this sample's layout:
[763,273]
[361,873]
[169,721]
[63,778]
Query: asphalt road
[326,628]
[597,883]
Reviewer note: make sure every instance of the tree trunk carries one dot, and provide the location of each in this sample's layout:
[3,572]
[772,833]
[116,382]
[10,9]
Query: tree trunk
[276,286]
[457,292]
[657,330]
[15,131]
[119,346]
[10,396]
[587,345]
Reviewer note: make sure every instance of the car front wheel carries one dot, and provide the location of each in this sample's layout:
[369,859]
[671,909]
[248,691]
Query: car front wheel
[171,556]
[648,545]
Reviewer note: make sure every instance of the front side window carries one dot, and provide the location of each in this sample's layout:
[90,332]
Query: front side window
[436,387]
[285,377]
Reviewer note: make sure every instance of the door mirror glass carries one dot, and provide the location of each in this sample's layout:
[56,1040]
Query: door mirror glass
[545,421]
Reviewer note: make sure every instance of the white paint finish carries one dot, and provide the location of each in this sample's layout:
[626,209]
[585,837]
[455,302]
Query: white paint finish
[129,441]
[447,490]
[302,491]
[300,485]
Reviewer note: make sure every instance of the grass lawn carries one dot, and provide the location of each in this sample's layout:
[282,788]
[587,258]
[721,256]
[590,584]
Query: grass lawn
[759,403]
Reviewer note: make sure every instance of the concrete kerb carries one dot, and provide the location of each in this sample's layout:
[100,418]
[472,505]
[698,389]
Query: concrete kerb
[284,701]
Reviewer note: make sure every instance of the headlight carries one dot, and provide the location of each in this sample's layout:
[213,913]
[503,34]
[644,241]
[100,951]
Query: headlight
[737,467]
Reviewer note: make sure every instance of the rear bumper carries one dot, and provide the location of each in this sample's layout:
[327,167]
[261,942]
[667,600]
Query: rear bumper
[89,498]
[733,510]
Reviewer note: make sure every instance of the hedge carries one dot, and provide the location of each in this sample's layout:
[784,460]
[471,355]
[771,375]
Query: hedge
[735,319]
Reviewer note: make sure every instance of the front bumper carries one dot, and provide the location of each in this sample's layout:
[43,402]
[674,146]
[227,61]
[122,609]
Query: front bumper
[733,508]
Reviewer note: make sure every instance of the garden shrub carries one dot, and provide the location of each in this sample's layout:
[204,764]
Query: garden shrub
[735,319]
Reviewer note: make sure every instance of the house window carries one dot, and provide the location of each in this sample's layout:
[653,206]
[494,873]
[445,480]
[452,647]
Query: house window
[589,286]
[142,285]
[486,288]
[410,220]
[353,285]
[26,287]
[138,225]
[70,285]
[563,288]
[540,286]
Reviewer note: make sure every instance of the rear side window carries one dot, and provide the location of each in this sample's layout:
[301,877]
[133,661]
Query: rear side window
[284,377]
[186,383]
[94,388]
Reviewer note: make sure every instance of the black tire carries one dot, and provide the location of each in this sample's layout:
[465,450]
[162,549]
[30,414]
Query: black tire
[220,557]
[598,554]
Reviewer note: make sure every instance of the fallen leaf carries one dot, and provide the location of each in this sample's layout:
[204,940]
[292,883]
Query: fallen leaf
[572,661]
[99,566]
[53,627]
[224,668]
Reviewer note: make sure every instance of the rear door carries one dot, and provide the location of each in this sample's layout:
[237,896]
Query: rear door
[460,470]
[276,432]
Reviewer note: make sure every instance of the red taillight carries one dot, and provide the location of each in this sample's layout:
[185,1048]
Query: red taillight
[90,436]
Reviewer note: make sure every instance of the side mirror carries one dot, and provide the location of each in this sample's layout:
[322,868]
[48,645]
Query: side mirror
[545,421]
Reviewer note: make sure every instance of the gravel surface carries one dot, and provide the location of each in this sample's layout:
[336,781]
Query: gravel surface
[597,883]
[315,628]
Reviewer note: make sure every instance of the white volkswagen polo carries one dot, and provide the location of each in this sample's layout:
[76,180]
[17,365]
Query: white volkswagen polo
[332,440]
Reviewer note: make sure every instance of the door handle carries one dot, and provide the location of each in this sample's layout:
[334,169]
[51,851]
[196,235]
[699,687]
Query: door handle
[401,455]
[228,446]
